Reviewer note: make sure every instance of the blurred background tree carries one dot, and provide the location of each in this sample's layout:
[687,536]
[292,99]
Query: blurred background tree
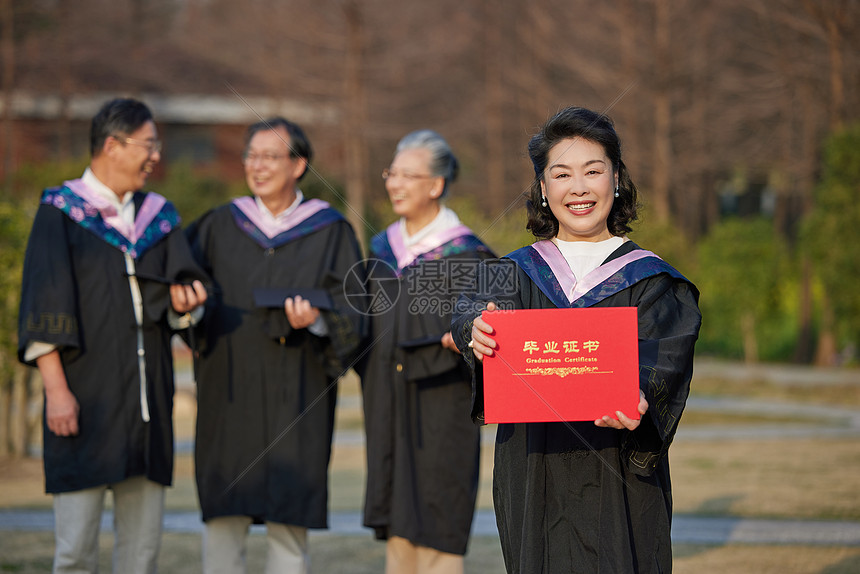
[829,238]
[15,379]
[743,275]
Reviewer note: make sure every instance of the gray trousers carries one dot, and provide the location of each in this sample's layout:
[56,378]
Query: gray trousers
[138,512]
[225,547]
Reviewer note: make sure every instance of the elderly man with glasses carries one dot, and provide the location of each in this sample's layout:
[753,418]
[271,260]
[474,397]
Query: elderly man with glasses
[108,276]
[280,332]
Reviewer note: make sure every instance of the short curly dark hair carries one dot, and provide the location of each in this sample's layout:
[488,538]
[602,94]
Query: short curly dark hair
[574,122]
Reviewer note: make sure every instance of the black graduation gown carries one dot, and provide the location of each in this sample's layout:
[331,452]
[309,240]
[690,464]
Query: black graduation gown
[574,497]
[76,295]
[266,393]
[422,448]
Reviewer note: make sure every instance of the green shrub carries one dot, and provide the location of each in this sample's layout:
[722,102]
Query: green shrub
[830,235]
[748,291]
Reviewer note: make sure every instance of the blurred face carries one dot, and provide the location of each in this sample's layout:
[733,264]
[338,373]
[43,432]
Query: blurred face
[270,171]
[135,157]
[413,191]
[579,186]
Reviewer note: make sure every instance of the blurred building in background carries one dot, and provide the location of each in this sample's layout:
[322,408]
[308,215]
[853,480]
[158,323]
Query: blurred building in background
[203,129]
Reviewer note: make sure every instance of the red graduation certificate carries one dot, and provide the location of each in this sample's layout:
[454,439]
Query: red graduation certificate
[555,365]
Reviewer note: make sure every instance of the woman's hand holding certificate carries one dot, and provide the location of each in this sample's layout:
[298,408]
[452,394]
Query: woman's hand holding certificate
[482,342]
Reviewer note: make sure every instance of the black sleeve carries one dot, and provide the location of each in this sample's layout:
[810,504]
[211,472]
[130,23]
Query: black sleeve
[493,282]
[49,310]
[178,266]
[345,280]
[195,336]
[669,321]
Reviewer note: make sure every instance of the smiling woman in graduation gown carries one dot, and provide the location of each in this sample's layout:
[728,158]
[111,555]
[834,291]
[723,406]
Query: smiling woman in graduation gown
[589,496]
[422,447]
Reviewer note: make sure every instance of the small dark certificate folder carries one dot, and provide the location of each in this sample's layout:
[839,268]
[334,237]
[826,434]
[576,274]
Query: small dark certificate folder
[554,365]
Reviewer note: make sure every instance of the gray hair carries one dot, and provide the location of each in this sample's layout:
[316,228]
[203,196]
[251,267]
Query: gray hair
[443,163]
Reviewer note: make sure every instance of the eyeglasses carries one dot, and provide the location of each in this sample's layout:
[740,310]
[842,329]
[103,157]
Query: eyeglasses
[152,146]
[266,158]
[389,174]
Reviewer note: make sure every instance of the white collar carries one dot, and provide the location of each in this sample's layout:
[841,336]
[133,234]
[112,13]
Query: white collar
[443,221]
[583,257]
[94,183]
[264,211]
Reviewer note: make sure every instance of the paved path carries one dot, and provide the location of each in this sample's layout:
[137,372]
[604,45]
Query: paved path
[780,374]
[686,529]
[812,421]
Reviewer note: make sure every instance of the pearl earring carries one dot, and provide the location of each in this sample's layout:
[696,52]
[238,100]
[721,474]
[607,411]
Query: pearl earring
[616,192]
[543,203]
